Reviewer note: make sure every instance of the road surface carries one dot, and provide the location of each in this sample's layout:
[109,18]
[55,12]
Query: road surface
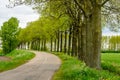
[41,67]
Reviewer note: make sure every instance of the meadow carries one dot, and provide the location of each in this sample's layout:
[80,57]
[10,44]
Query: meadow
[73,69]
[111,62]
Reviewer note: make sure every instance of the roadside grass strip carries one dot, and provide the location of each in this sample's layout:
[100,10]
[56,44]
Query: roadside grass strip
[17,58]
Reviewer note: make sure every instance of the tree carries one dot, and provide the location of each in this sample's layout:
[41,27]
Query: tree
[9,35]
[85,20]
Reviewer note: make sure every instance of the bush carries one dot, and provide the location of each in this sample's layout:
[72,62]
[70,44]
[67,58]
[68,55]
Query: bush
[110,51]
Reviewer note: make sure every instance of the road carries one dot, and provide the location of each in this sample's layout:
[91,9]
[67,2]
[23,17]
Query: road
[41,67]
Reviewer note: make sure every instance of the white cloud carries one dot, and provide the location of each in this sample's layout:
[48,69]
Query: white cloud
[23,13]
[107,32]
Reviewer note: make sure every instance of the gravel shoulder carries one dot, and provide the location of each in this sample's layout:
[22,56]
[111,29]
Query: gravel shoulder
[41,67]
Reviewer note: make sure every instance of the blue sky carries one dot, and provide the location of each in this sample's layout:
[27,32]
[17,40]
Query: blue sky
[23,13]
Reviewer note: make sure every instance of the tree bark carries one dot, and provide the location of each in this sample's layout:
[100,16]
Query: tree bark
[89,42]
[79,45]
[44,45]
[51,45]
[58,41]
[61,41]
[69,42]
[55,45]
[65,44]
[96,23]
[83,43]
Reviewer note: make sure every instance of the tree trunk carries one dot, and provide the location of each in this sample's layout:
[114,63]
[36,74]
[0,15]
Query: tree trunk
[42,45]
[74,40]
[79,45]
[58,41]
[96,23]
[51,45]
[44,42]
[89,42]
[28,45]
[61,41]
[65,44]
[83,43]
[39,45]
[55,45]
[69,42]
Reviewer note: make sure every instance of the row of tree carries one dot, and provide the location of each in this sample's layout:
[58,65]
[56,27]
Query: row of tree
[79,20]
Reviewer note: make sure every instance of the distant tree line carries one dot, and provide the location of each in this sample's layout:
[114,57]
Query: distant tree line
[111,43]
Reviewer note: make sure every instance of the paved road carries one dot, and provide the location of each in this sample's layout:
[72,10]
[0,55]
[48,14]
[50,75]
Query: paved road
[42,67]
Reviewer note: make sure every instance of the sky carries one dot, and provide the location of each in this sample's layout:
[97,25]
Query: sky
[26,14]
[107,32]
[23,13]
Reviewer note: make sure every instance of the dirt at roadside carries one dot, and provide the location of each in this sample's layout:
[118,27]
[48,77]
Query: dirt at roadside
[4,58]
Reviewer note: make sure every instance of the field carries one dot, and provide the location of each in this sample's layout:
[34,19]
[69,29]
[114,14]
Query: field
[113,58]
[73,69]
[111,62]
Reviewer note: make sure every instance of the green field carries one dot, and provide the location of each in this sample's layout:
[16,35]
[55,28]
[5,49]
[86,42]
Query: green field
[73,69]
[113,58]
[111,62]
[18,57]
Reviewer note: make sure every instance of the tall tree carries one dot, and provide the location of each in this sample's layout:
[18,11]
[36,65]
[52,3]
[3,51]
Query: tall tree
[9,35]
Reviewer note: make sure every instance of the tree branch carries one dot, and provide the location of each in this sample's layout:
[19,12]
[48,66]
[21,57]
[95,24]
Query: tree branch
[92,2]
[104,2]
[80,7]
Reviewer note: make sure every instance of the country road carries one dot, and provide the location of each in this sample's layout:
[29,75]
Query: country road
[41,67]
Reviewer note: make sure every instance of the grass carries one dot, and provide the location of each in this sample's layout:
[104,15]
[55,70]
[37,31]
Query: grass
[18,57]
[73,69]
[111,62]
[113,58]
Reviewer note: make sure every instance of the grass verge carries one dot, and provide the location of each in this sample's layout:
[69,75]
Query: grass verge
[18,57]
[73,69]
